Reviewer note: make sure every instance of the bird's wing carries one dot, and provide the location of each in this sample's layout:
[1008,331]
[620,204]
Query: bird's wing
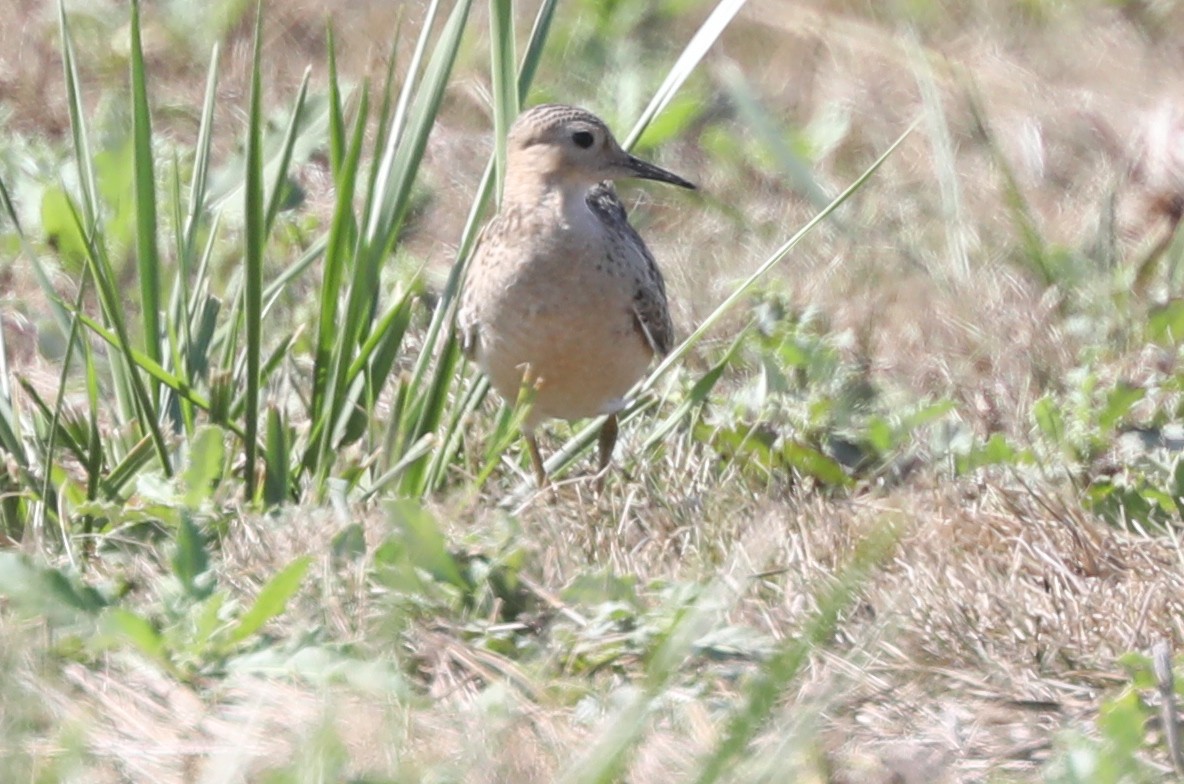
[650,308]
[466,315]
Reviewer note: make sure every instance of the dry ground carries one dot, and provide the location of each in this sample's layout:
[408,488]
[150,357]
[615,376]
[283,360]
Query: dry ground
[998,618]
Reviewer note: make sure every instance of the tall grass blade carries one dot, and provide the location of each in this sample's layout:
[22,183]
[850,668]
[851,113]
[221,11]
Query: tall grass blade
[279,187]
[276,484]
[201,163]
[702,41]
[331,340]
[505,80]
[442,363]
[147,252]
[336,109]
[534,48]
[389,201]
[393,132]
[124,376]
[735,296]
[255,231]
[82,154]
[404,151]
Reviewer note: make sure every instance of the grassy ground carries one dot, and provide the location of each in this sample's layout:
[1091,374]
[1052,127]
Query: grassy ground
[906,513]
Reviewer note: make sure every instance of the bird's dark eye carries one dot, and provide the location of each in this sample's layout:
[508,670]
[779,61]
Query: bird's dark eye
[583,139]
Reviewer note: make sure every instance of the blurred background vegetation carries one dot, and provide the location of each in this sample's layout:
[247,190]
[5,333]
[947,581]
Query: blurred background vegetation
[905,510]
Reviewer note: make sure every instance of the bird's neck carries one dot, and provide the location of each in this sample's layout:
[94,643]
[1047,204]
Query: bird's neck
[551,199]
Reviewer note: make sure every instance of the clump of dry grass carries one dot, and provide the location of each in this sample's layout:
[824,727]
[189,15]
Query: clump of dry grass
[994,625]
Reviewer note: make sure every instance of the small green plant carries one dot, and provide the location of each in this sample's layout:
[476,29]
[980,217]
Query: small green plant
[1117,753]
[197,630]
[806,410]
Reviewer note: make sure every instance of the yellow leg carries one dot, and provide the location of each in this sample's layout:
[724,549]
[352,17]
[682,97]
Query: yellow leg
[608,439]
[536,460]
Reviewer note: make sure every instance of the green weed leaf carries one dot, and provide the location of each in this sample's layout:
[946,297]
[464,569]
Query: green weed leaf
[47,592]
[207,454]
[191,561]
[272,599]
[125,626]
[424,541]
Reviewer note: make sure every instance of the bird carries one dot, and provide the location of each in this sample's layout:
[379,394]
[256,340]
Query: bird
[561,294]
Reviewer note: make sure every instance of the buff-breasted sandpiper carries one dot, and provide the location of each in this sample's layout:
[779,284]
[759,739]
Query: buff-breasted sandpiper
[562,293]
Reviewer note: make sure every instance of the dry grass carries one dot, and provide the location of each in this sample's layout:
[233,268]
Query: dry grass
[994,626]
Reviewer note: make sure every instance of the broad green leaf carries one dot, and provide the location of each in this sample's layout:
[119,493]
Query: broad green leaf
[191,562]
[1119,403]
[1165,323]
[424,541]
[44,591]
[272,600]
[207,454]
[810,462]
[123,625]
[61,230]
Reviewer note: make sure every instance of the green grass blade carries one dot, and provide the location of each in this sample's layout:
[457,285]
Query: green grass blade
[394,131]
[255,226]
[703,39]
[155,370]
[389,198]
[505,80]
[201,159]
[534,48]
[147,252]
[735,296]
[276,484]
[336,109]
[330,337]
[384,125]
[82,154]
[272,599]
[404,151]
[55,428]
[131,466]
[279,186]
[122,364]
[188,298]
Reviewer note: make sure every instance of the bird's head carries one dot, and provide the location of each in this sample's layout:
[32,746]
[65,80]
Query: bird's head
[569,145]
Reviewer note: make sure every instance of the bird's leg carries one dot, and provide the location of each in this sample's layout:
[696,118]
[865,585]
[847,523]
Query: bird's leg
[536,460]
[608,439]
